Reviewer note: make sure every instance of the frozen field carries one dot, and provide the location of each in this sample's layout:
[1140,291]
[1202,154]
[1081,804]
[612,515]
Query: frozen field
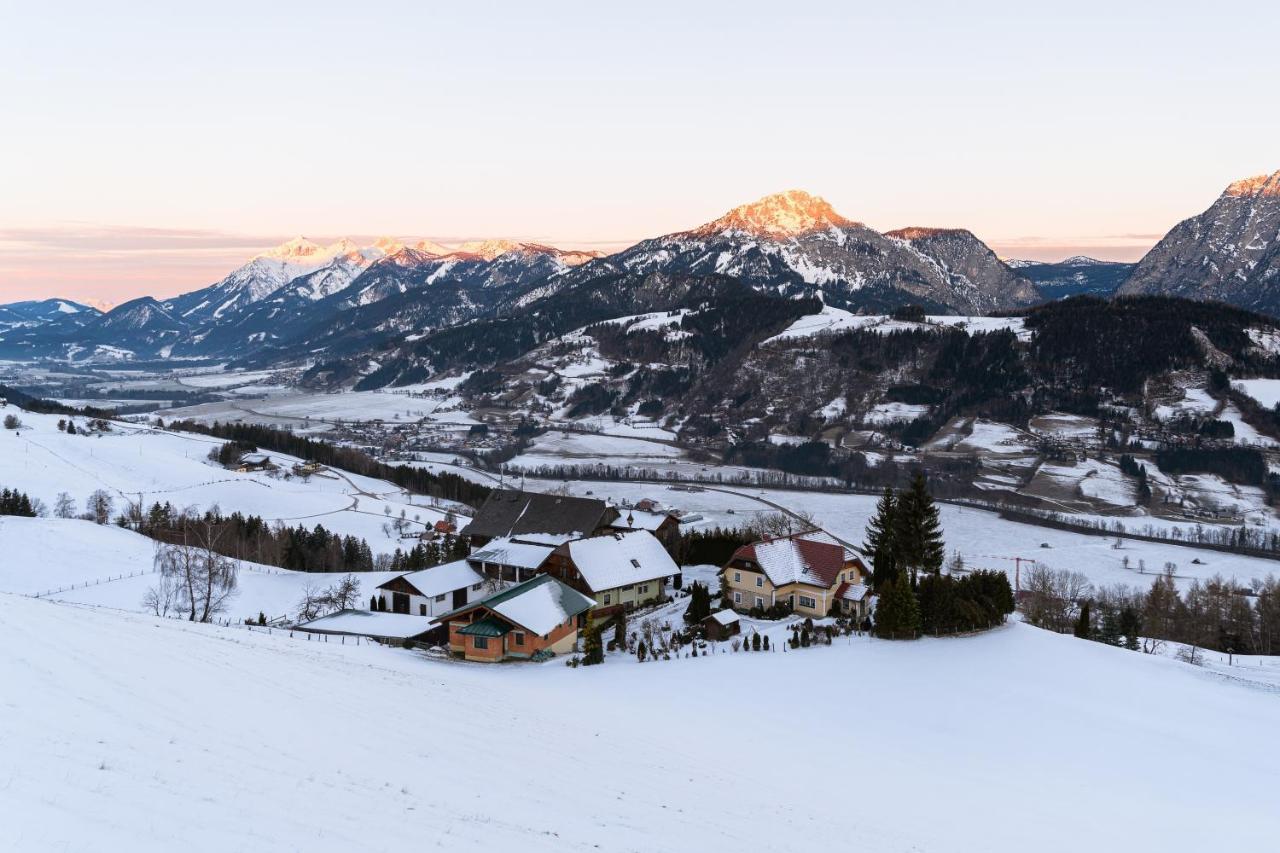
[835,320]
[78,561]
[132,461]
[246,741]
[296,410]
[982,538]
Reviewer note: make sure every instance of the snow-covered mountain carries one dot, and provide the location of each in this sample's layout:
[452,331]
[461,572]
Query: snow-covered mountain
[1231,252]
[1075,276]
[272,270]
[797,243]
[37,313]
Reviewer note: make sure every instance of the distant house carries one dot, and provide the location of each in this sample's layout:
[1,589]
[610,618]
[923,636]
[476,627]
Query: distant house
[664,525]
[722,625]
[433,591]
[254,462]
[537,616]
[383,627]
[810,571]
[508,513]
[620,571]
[306,469]
[445,528]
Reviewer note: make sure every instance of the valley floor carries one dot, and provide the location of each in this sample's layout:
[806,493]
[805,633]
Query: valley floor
[127,732]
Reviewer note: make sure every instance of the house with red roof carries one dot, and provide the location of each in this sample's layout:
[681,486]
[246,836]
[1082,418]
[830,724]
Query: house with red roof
[810,571]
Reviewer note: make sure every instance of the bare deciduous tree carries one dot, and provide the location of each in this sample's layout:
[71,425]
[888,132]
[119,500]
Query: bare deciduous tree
[98,507]
[342,594]
[204,580]
[64,506]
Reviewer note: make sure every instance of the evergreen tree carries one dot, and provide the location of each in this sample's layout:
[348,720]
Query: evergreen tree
[898,613]
[1109,629]
[879,542]
[620,632]
[592,648]
[1084,626]
[917,534]
[1130,627]
[699,603]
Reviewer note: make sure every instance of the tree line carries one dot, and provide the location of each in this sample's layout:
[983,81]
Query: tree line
[1216,613]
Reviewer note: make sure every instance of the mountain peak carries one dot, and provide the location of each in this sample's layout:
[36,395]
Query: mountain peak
[489,249]
[432,248]
[1258,185]
[297,249]
[785,214]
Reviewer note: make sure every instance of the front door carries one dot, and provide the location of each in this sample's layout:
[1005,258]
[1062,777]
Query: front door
[399,602]
[459,598]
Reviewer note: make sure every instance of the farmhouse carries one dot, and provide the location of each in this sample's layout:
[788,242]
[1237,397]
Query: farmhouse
[620,571]
[510,513]
[254,462]
[809,571]
[537,617]
[433,591]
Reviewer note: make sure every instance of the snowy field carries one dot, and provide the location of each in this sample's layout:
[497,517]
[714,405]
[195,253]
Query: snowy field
[1265,391]
[78,561]
[123,732]
[982,538]
[296,411]
[835,320]
[132,461]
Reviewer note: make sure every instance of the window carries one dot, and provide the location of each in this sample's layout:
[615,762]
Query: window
[480,642]
[806,601]
[737,577]
[759,601]
[440,597]
[475,587]
[422,610]
[635,562]
[759,580]
[737,598]
[608,598]
[642,589]
[519,635]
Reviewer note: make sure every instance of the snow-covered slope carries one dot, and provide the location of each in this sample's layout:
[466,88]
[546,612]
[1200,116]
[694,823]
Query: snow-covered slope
[132,461]
[125,732]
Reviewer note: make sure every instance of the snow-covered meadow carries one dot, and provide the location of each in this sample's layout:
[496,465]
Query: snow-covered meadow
[132,461]
[129,732]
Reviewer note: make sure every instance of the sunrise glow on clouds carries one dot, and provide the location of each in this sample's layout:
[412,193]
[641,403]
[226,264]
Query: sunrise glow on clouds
[150,152]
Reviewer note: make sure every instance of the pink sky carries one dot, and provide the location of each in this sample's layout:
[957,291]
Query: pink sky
[152,153]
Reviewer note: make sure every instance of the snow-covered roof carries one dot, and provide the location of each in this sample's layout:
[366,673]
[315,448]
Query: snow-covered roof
[538,605]
[813,558]
[442,579]
[508,552]
[725,617]
[367,623]
[854,591]
[635,519]
[255,459]
[618,559]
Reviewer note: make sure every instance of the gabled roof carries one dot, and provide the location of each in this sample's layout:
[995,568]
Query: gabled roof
[366,623]
[538,605]
[852,591]
[618,559]
[724,617]
[637,519]
[507,552]
[442,579]
[507,512]
[812,558]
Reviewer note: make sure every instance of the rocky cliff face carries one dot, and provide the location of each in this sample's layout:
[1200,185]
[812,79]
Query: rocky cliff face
[1231,252]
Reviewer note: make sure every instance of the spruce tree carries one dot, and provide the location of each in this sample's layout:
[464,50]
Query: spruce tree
[1130,627]
[880,539]
[897,613]
[592,649]
[917,534]
[1083,624]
